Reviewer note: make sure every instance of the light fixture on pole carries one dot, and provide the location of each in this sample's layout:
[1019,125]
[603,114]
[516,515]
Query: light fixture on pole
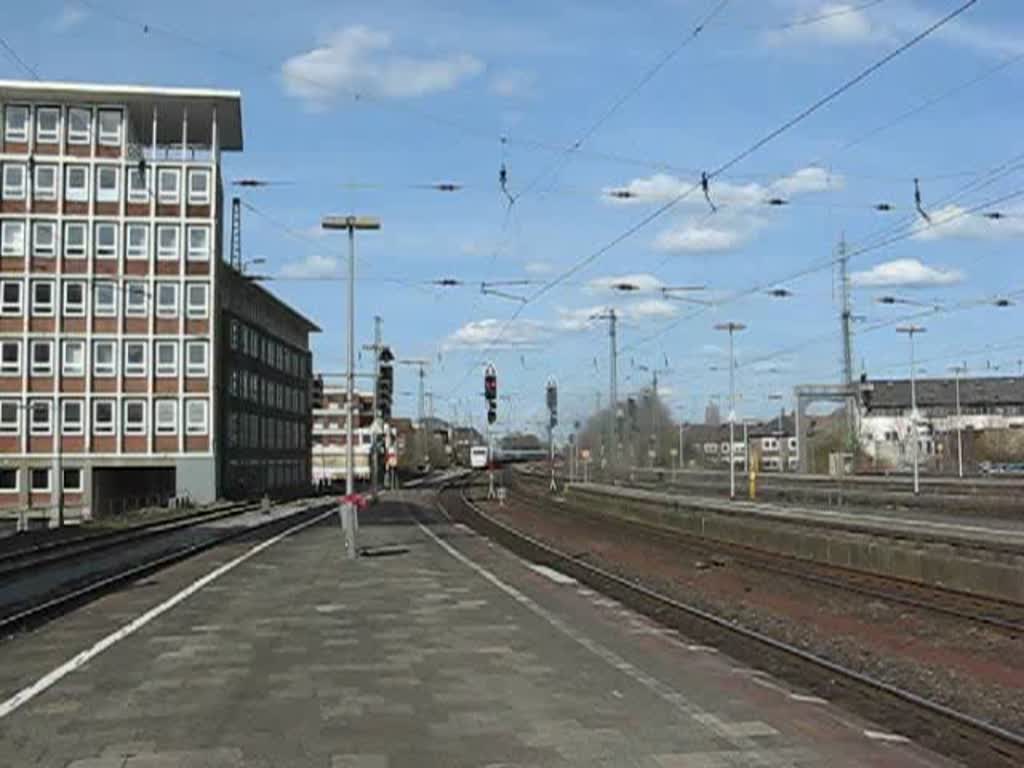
[958,371]
[911,331]
[349,522]
[732,328]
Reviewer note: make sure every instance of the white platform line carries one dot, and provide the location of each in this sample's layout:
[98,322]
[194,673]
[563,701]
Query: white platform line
[556,576]
[894,738]
[53,677]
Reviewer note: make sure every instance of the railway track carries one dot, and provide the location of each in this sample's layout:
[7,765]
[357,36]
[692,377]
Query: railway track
[1004,615]
[39,583]
[971,740]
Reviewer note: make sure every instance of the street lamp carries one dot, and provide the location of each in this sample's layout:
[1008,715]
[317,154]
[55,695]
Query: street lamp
[251,262]
[732,328]
[911,330]
[957,371]
[349,522]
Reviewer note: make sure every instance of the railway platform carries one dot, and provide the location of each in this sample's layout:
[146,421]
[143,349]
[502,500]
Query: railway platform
[436,648]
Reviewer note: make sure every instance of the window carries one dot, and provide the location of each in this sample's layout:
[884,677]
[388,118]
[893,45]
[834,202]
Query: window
[103,360]
[40,417]
[41,357]
[72,480]
[79,126]
[74,240]
[167,243]
[195,417]
[72,420]
[137,241]
[108,186]
[103,417]
[8,480]
[135,417]
[10,297]
[197,303]
[10,417]
[166,359]
[42,298]
[10,357]
[106,240]
[169,186]
[166,299]
[135,299]
[103,301]
[40,479]
[74,299]
[166,417]
[198,187]
[72,358]
[135,358]
[47,125]
[76,184]
[44,239]
[12,235]
[138,184]
[14,181]
[195,358]
[16,124]
[199,243]
[110,127]
[45,185]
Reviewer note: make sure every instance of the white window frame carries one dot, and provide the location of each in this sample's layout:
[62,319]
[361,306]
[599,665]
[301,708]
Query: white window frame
[104,370]
[82,251]
[105,251]
[45,136]
[77,193]
[104,309]
[129,428]
[17,480]
[98,427]
[199,426]
[168,196]
[197,196]
[43,369]
[31,477]
[198,369]
[47,252]
[107,194]
[11,309]
[15,188]
[68,369]
[12,245]
[10,427]
[164,309]
[78,487]
[43,428]
[161,424]
[16,135]
[137,194]
[197,310]
[68,307]
[109,138]
[42,309]
[67,426]
[135,370]
[134,252]
[41,191]
[165,254]
[79,136]
[198,253]
[136,300]
[165,370]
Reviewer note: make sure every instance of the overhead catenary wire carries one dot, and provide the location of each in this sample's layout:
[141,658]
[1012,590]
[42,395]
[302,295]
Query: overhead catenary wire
[16,58]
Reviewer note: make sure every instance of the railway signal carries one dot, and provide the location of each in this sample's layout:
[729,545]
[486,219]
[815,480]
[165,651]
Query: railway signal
[551,396]
[385,383]
[491,393]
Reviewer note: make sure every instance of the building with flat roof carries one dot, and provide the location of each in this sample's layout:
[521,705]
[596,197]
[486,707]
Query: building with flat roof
[118,359]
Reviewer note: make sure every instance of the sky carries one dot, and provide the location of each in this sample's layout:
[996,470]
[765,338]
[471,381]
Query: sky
[603,115]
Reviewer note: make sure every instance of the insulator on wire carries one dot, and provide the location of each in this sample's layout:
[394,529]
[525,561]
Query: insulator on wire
[705,185]
[917,202]
[777,201]
[994,215]
[884,207]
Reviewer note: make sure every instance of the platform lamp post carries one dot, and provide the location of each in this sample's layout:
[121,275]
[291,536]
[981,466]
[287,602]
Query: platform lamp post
[911,331]
[958,371]
[348,507]
[732,329]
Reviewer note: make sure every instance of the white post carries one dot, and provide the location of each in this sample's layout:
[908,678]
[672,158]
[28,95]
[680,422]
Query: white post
[959,428]
[348,510]
[913,417]
[732,419]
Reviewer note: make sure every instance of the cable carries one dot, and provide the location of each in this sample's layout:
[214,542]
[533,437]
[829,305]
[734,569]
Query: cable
[816,19]
[13,54]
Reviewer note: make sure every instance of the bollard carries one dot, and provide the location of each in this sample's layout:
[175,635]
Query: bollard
[753,484]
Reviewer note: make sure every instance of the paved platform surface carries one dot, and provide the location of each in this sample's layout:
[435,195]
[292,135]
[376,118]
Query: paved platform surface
[449,653]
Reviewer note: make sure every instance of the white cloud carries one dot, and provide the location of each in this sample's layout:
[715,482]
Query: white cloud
[312,266]
[498,334]
[952,221]
[694,237]
[909,273]
[644,283]
[514,84]
[650,309]
[838,24]
[539,267]
[358,59]
[581,318]
[71,15]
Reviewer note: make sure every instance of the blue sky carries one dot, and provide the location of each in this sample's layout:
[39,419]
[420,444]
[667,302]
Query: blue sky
[440,84]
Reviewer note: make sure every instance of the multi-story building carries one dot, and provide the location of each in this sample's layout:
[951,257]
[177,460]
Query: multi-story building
[330,451]
[112,294]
